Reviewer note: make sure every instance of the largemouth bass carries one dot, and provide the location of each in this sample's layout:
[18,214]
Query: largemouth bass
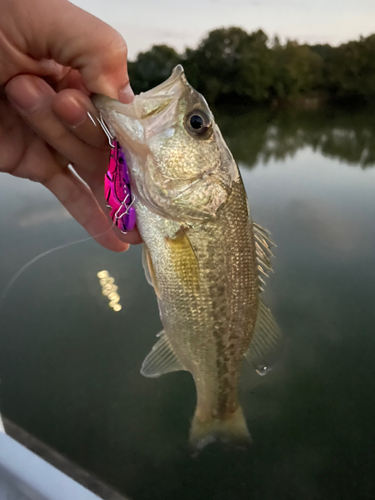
[202,253]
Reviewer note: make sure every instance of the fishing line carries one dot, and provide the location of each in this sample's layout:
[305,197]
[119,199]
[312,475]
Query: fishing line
[43,254]
[118,216]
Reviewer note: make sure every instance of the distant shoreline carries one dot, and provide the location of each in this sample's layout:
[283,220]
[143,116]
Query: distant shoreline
[232,64]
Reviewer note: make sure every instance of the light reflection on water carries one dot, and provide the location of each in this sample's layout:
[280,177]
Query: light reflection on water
[69,367]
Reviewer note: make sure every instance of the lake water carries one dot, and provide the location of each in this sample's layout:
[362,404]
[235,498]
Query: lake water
[69,365]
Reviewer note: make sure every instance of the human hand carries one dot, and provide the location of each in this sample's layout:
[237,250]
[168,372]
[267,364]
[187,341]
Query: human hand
[52,55]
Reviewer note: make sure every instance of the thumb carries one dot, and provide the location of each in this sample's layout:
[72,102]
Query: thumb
[72,37]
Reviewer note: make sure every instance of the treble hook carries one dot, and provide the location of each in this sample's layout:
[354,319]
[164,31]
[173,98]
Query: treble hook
[105,128]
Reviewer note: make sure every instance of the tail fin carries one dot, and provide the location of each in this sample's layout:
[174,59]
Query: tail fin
[231,430]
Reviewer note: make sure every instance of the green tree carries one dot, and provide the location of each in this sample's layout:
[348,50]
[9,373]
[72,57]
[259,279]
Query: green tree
[297,70]
[152,67]
[230,61]
[350,69]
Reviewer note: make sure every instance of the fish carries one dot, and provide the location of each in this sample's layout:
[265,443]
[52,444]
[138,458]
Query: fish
[202,252]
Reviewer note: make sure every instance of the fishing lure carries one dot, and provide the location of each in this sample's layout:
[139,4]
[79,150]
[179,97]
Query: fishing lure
[117,190]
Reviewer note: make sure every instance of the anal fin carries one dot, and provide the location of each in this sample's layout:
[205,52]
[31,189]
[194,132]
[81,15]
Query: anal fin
[267,343]
[162,359]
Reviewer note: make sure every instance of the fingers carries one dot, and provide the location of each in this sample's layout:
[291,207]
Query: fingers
[72,108]
[36,162]
[33,97]
[72,37]
[81,204]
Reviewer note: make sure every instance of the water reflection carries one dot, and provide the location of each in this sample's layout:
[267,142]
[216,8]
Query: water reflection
[109,289]
[262,135]
[69,367]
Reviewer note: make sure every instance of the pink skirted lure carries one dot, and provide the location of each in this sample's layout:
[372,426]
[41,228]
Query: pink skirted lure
[117,190]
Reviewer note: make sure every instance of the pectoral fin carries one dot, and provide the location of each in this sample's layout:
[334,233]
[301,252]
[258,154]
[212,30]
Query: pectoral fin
[149,270]
[267,343]
[183,259]
[162,359]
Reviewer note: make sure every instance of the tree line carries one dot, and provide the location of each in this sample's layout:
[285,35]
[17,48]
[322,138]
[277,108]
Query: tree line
[231,64]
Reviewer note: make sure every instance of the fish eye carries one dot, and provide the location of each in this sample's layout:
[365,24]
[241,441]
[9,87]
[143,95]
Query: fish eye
[198,124]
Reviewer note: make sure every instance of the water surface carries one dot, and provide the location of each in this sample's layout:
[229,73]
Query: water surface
[69,365]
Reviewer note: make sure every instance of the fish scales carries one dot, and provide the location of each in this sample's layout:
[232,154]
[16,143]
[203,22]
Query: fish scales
[209,320]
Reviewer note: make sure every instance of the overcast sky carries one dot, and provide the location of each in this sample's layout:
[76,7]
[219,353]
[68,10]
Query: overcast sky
[182,23]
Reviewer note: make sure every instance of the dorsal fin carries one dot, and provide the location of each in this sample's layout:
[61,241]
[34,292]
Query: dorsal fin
[263,245]
[267,343]
[162,359]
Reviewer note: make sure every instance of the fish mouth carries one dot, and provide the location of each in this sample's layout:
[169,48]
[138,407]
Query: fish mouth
[146,107]
[169,86]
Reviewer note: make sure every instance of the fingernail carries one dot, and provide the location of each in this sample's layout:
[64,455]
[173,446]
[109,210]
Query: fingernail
[74,112]
[30,99]
[126,95]
[78,123]
[79,117]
